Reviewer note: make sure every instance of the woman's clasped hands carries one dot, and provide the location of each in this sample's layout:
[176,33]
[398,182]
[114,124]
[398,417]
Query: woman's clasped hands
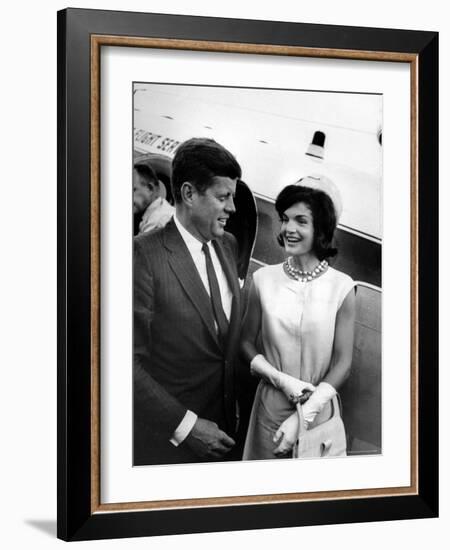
[286,435]
[292,387]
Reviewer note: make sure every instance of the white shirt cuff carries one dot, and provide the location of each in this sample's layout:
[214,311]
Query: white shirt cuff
[184,428]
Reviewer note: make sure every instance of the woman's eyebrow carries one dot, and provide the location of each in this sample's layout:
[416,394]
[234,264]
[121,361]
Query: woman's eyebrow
[303,216]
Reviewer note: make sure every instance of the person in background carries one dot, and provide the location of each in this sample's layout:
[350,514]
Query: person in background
[150,208]
[187,316]
[299,324]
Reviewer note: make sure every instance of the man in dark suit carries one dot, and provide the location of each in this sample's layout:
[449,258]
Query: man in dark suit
[187,316]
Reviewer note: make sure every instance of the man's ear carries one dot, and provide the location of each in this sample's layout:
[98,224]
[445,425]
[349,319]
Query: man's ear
[187,192]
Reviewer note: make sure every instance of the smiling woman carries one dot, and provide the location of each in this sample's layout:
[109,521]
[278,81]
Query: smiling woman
[315,214]
[298,329]
[297,232]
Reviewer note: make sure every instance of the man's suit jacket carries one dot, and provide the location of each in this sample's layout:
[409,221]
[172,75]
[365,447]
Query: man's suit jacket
[178,361]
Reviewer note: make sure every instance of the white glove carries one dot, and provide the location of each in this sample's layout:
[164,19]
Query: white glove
[324,392]
[290,386]
[286,435]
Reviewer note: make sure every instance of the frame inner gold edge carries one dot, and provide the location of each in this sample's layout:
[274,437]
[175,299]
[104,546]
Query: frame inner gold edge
[414,274]
[255,499]
[104,40]
[235,47]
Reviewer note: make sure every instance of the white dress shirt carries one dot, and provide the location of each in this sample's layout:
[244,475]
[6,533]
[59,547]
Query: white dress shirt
[195,249]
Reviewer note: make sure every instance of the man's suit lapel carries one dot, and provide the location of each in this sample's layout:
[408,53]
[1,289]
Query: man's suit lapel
[184,269]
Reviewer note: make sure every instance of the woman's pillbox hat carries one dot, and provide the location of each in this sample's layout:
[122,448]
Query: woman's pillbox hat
[324,184]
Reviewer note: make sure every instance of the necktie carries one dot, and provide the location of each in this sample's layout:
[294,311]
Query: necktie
[216,302]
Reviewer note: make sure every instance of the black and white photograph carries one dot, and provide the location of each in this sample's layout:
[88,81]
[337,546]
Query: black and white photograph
[257,273]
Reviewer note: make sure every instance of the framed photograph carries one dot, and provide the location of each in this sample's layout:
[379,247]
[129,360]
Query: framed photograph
[247,286]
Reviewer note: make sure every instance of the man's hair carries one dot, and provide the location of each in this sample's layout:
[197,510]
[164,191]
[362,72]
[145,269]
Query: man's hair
[146,172]
[197,161]
[323,215]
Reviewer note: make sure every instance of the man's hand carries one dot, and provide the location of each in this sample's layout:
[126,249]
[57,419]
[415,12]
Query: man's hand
[207,440]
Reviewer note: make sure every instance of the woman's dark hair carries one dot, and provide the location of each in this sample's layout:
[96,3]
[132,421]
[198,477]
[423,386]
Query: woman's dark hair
[323,214]
[198,160]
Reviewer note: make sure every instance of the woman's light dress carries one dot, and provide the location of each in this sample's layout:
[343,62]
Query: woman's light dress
[297,334]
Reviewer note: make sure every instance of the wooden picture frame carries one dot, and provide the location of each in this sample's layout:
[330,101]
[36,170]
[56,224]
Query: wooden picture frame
[81,35]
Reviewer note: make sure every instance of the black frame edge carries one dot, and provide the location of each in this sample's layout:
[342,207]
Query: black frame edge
[74,293]
[61,278]
[428,121]
[194,27]
[251,517]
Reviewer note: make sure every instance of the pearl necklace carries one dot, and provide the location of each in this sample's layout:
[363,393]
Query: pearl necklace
[304,276]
